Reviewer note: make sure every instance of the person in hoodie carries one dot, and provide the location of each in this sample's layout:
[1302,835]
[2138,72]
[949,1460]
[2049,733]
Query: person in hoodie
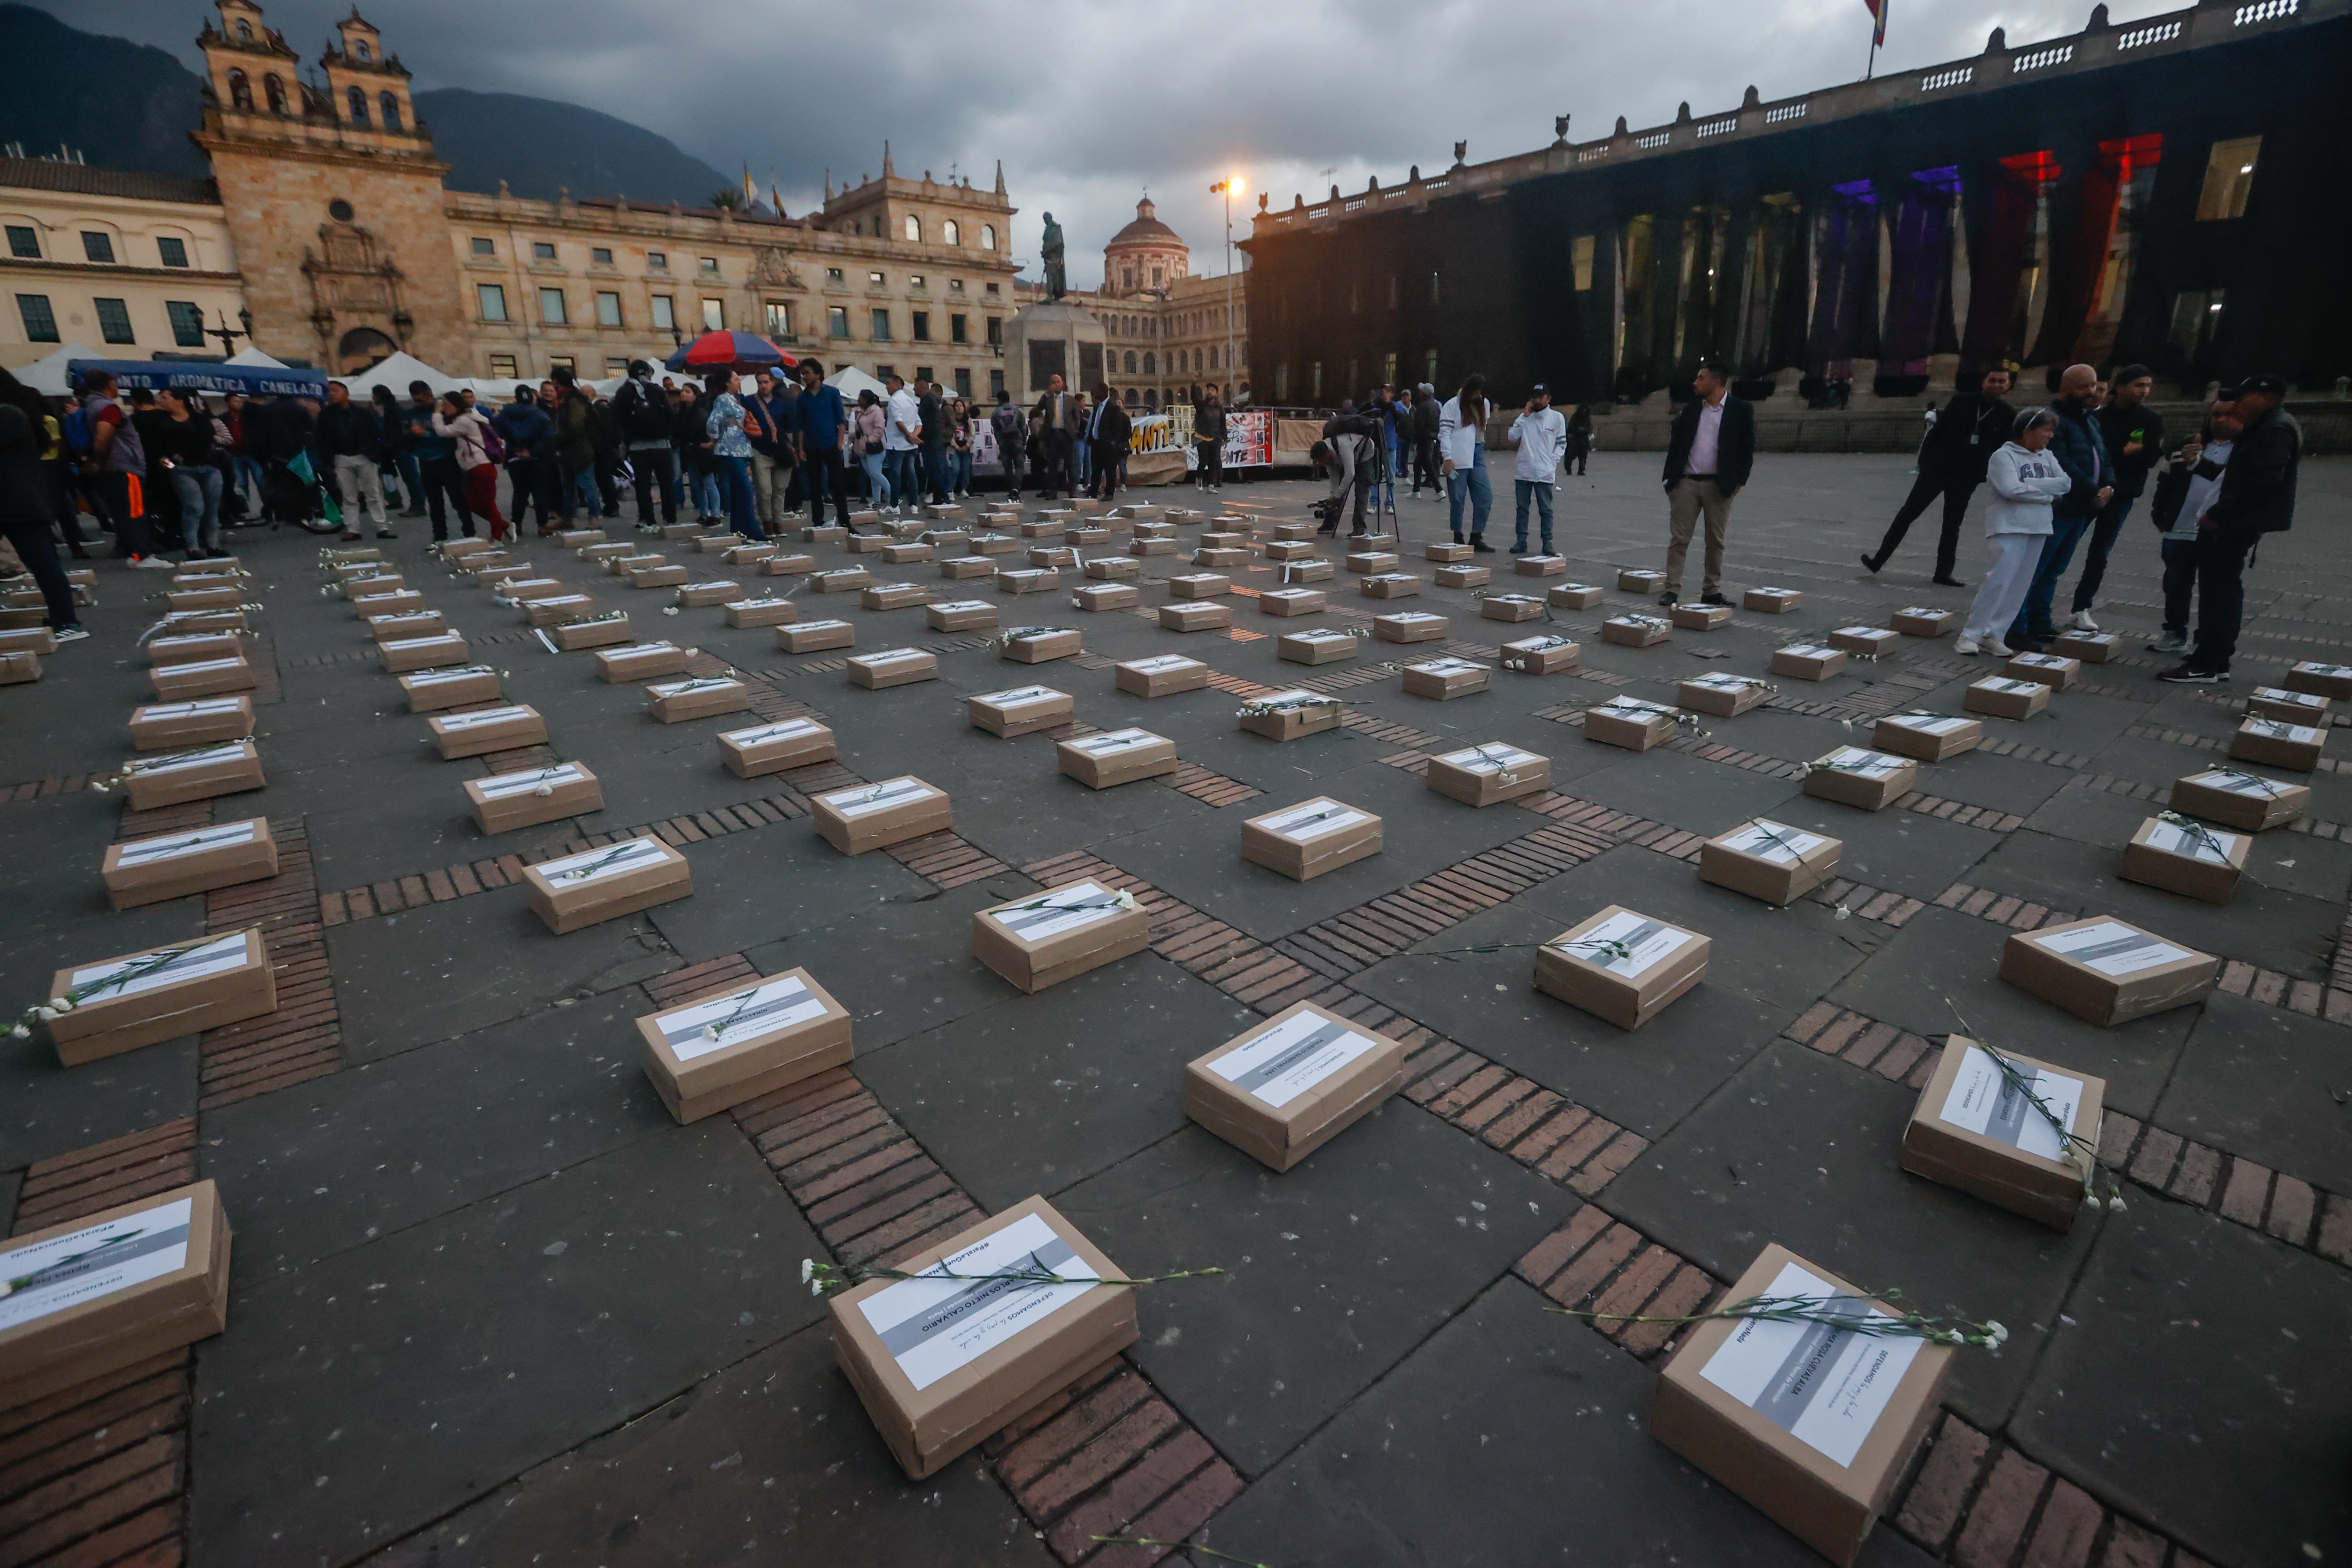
[2082,450]
[528,432]
[2026,479]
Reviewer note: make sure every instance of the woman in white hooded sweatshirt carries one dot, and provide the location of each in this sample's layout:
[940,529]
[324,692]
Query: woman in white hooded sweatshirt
[2024,479]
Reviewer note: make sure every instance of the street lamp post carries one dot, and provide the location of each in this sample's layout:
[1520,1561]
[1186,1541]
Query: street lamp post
[1226,188]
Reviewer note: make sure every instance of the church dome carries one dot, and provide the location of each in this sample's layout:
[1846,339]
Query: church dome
[1146,229]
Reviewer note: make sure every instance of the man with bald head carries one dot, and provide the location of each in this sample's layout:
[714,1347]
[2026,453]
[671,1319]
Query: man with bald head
[2082,451]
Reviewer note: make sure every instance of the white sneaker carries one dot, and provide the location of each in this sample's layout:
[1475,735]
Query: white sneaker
[2081,621]
[1965,645]
[1998,648]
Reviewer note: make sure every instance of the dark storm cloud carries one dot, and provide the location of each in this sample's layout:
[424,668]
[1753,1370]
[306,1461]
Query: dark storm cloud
[1089,104]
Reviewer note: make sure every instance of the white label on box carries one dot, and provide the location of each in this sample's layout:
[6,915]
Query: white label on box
[1323,635]
[760,734]
[1645,941]
[2293,698]
[133,976]
[146,851]
[1807,650]
[1411,618]
[612,860]
[1984,1101]
[1927,726]
[184,639]
[1165,664]
[1023,697]
[1824,1385]
[505,784]
[872,798]
[2247,785]
[562,601]
[638,650]
[1871,633]
[180,669]
[188,710]
[1064,909]
[1870,765]
[396,620]
[82,1265]
[438,676]
[1313,820]
[962,607]
[442,641]
[1633,709]
[755,604]
[1774,841]
[708,1026]
[1924,612]
[1491,758]
[1273,697]
[2017,687]
[1447,667]
[1114,741]
[969,1303]
[815,627]
[2206,844]
[700,683]
[210,756]
[2040,660]
[2334,671]
[1292,1058]
[2112,948]
[488,716]
[1719,682]
[2271,729]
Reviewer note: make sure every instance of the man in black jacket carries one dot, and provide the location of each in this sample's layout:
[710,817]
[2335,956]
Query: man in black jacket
[1423,425]
[1709,457]
[2257,496]
[1111,431]
[1952,461]
[2134,437]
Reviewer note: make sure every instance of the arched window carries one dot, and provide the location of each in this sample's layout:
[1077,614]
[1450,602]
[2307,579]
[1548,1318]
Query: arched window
[1131,362]
[359,105]
[988,236]
[240,90]
[953,233]
[914,228]
[1127,277]
[274,92]
[244,32]
[390,107]
[1212,356]
[1149,368]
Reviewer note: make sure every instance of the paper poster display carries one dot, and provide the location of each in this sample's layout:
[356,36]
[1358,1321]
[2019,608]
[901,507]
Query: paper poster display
[1292,1058]
[1645,941]
[970,1301]
[2113,949]
[1983,1101]
[82,1265]
[134,976]
[692,1033]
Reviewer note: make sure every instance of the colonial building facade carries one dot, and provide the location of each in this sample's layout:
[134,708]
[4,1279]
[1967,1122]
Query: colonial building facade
[1168,332]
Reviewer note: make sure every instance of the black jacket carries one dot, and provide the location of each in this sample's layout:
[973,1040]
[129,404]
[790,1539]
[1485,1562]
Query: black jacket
[1735,453]
[350,431]
[1114,428]
[2116,426]
[24,486]
[2258,487]
[1948,449]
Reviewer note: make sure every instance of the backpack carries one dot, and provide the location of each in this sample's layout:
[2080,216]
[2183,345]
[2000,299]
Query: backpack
[76,431]
[641,418]
[493,448]
[1010,425]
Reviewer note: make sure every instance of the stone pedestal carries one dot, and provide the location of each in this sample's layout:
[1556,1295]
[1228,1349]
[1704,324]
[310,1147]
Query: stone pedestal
[1060,338]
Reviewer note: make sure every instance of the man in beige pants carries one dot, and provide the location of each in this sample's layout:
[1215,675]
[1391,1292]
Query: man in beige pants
[1709,457]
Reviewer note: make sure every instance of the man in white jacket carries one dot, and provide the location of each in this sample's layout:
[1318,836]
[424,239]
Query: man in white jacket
[1540,433]
[2025,479]
[1462,451]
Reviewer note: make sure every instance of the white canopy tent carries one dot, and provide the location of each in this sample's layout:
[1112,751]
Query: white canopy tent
[253,356]
[849,381]
[46,375]
[396,372]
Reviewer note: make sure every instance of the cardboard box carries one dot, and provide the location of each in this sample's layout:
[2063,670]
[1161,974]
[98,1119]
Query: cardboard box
[1463,576]
[1722,694]
[1857,776]
[504,801]
[1770,860]
[1772,601]
[776,748]
[1028,579]
[1101,597]
[893,667]
[1113,568]
[2087,648]
[946,540]
[1213,556]
[161,994]
[185,649]
[1142,547]
[1547,653]
[203,677]
[556,612]
[2186,858]
[700,595]
[603,550]
[1409,626]
[1541,566]
[1312,569]
[658,577]
[1699,617]
[1315,836]
[1019,711]
[816,637]
[639,561]
[837,534]
[1976,1129]
[703,696]
[1488,773]
[1446,554]
[2239,799]
[1808,661]
[202,598]
[1281,1089]
[1621,967]
[487,730]
[1812,1426]
[1928,737]
[16,668]
[1573,596]
[1200,615]
[1046,938]
[2325,680]
[197,723]
[175,865]
[574,538]
[1199,585]
[1289,549]
[1443,678]
[1318,645]
[605,883]
[1636,631]
[2004,696]
[1923,621]
[792,565]
[522,590]
[1165,675]
[958,568]
[404,653]
[1289,715]
[1292,602]
[674,530]
[1039,645]
[1115,757]
[1053,555]
[2104,971]
[1510,608]
[940,1364]
[876,815]
[102,1293]
[892,596]
[841,580]
[720,1051]
[2052,671]
[642,661]
[455,686]
[1873,640]
[1051,527]
[382,629]
[1390,586]
[2294,707]
[961,615]
[748,554]
[761,612]
[229,768]
[1631,722]
[725,545]
[906,555]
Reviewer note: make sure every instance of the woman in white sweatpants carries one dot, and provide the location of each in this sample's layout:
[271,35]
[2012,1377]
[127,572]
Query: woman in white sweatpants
[2024,479]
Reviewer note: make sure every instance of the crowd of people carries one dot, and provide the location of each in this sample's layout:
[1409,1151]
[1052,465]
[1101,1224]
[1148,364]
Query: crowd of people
[1409,433]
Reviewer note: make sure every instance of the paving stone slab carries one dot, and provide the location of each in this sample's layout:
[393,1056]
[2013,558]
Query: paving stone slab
[1982,778]
[2269,1085]
[1681,791]
[773,882]
[1908,852]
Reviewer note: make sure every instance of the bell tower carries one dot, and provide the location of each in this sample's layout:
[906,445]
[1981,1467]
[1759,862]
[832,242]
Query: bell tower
[333,195]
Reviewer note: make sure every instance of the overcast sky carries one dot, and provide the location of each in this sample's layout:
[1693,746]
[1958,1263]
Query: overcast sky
[1089,103]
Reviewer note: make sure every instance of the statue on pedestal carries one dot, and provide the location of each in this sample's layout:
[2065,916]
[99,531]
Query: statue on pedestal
[1057,276]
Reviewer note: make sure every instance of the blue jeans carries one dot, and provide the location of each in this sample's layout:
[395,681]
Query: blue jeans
[580,484]
[1525,490]
[959,471]
[2108,523]
[1082,463]
[2180,583]
[707,501]
[1471,484]
[734,478]
[904,470]
[247,472]
[199,485]
[935,470]
[2033,623]
[877,486]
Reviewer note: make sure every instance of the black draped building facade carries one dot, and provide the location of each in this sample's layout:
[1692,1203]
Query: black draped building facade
[2172,191]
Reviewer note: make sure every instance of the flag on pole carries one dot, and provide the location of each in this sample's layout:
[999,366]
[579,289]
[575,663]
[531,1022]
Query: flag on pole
[1877,10]
[752,192]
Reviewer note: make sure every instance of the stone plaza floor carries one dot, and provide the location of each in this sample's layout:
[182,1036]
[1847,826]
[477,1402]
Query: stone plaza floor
[491,1304]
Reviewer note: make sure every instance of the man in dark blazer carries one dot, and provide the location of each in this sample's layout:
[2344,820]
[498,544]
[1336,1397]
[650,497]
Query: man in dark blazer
[1053,430]
[1709,457]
